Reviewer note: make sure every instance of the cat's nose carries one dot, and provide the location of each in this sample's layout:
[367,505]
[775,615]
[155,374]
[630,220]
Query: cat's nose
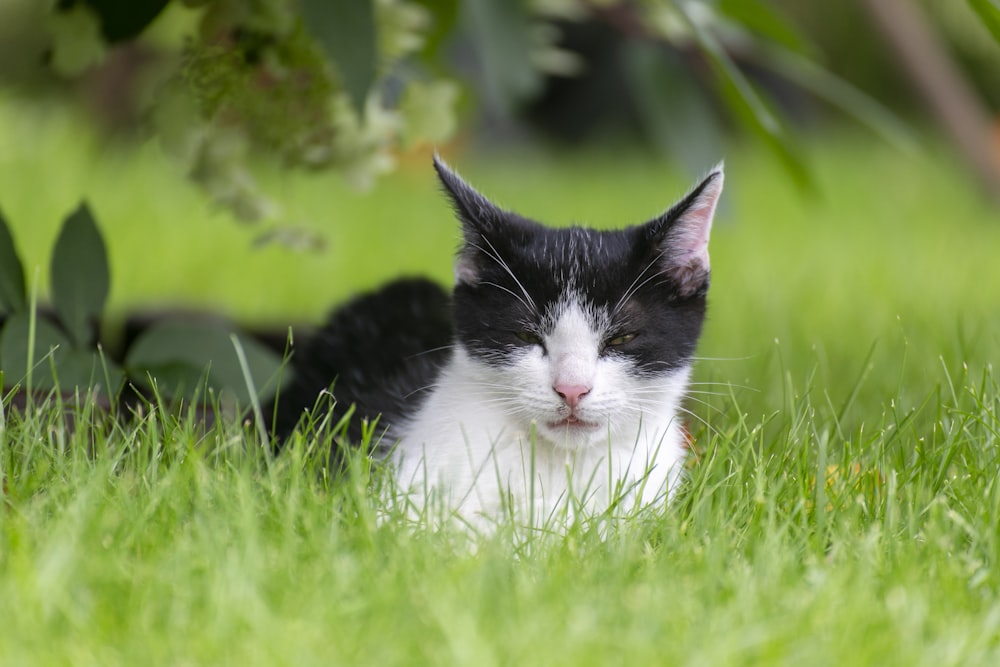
[572,393]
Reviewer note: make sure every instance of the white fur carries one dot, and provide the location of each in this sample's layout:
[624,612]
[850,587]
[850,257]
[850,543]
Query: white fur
[483,443]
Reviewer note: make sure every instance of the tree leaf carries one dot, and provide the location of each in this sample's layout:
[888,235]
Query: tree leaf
[762,19]
[79,275]
[346,31]
[989,14]
[77,42]
[444,14]
[125,19]
[186,349]
[12,292]
[675,115]
[744,101]
[501,33]
[837,92]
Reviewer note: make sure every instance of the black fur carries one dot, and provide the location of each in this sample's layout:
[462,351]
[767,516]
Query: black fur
[380,352]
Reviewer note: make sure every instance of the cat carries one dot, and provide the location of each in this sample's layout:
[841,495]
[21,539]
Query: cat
[552,375]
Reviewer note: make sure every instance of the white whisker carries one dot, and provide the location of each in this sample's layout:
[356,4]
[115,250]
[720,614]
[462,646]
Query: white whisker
[495,256]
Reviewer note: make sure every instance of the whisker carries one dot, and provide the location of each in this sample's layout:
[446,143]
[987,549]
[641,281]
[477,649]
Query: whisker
[512,293]
[432,350]
[495,256]
[633,288]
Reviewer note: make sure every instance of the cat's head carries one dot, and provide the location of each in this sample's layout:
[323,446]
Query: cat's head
[582,332]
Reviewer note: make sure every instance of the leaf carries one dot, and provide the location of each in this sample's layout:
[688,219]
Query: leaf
[79,275]
[501,33]
[764,20]
[444,14]
[748,105]
[675,116]
[989,14]
[86,369]
[182,351]
[346,31]
[12,292]
[837,92]
[122,20]
[77,43]
[14,344]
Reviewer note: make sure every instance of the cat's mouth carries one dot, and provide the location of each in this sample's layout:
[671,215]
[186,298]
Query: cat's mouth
[573,423]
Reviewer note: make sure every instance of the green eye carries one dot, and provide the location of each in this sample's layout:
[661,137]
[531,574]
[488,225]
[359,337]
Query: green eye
[619,340]
[529,337]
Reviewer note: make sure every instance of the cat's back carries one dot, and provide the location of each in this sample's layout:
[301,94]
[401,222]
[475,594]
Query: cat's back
[380,352]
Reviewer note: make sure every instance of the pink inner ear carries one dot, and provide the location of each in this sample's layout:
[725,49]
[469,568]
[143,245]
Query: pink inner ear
[687,241]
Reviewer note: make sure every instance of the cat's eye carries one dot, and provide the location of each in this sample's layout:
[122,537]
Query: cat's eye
[529,338]
[619,340]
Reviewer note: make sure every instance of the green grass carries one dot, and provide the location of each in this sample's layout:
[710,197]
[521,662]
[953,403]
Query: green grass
[844,507]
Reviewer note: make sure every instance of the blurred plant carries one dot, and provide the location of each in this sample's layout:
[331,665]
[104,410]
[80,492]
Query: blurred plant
[343,85]
[60,350]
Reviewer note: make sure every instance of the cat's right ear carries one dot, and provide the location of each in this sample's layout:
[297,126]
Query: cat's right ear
[680,236]
[479,217]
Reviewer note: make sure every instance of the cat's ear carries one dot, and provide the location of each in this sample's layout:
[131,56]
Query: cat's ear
[474,210]
[479,217]
[680,236]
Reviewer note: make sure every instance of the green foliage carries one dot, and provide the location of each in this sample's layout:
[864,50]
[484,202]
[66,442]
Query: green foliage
[77,41]
[124,20]
[30,348]
[12,293]
[346,85]
[500,30]
[80,280]
[173,543]
[842,508]
[989,14]
[178,360]
[346,31]
[174,355]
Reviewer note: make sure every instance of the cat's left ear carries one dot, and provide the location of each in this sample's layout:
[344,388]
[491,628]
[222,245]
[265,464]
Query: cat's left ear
[476,212]
[479,216]
[680,236]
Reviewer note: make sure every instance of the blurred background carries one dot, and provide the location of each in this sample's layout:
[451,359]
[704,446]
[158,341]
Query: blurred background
[265,159]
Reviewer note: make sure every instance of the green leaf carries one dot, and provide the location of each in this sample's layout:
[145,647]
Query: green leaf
[501,33]
[12,292]
[79,275]
[675,115]
[86,369]
[125,19]
[766,21]
[743,100]
[989,14]
[346,31]
[77,42]
[174,380]
[14,344]
[837,92]
[444,14]
[178,353]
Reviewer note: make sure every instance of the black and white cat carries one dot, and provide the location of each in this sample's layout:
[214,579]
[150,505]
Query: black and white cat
[553,374]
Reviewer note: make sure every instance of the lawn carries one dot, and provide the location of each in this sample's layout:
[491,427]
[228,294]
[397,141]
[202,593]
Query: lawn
[843,509]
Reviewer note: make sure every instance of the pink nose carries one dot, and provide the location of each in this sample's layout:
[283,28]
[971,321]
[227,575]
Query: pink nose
[572,393]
